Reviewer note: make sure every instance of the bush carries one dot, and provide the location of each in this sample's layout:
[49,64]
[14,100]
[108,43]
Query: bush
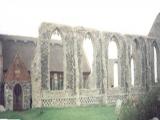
[143,108]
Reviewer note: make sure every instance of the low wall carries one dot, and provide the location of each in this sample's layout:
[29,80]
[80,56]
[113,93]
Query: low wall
[67,98]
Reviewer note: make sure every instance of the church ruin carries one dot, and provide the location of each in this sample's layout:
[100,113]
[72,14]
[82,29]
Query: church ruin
[53,70]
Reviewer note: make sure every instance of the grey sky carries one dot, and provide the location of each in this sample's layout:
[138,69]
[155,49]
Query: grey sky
[23,17]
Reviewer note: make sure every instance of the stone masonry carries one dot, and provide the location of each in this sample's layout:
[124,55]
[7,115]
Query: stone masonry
[100,91]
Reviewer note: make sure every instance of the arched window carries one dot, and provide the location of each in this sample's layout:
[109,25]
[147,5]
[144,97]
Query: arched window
[56,36]
[115,75]
[132,72]
[56,61]
[113,63]
[87,60]
[112,50]
[88,50]
[155,64]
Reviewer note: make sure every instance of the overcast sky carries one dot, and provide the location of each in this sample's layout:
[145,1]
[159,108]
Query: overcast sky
[23,17]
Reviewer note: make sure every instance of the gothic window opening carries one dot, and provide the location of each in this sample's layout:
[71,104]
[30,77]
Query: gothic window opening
[56,36]
[112,50]
[56,61]
[56,80]
[132,66]
[87,61]
[113,63]
[155,64]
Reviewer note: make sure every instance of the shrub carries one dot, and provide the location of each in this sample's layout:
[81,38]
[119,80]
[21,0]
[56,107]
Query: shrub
[143,108]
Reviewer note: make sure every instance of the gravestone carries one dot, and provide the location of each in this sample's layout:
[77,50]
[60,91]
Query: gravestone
[2,109]
[118,106]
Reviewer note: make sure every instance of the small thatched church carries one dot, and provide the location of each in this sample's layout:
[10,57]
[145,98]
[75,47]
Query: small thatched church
[17,54]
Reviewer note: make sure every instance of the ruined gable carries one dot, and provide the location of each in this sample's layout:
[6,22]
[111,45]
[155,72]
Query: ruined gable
[17,70]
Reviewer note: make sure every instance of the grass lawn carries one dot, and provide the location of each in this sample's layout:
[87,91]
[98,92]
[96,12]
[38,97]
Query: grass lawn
[74,113]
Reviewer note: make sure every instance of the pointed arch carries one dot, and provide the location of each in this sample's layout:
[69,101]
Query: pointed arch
[155,64]
[155,59]
[88,49]
[56,61]
[87,60]
[113,62]
[112,50]
[56,35]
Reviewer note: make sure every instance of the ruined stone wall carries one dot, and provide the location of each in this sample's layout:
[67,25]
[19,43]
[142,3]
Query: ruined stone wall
[151,42]
[36,86]
[101,79]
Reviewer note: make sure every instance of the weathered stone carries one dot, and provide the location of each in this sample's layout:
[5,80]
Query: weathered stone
[101,79]
[2,109]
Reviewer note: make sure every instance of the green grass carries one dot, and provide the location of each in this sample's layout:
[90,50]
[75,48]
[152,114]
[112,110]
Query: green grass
[74,113]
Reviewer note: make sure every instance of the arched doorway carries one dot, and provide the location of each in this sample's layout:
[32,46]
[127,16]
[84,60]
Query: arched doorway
[17,97]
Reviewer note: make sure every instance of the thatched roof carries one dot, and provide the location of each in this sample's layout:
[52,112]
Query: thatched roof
[155,30]
[56,57]
[25,48]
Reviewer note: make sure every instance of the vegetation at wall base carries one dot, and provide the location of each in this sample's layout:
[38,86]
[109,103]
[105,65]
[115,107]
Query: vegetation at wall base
[144,108]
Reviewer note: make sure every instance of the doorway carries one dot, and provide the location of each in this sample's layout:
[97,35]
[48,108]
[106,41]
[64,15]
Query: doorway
[17,98]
